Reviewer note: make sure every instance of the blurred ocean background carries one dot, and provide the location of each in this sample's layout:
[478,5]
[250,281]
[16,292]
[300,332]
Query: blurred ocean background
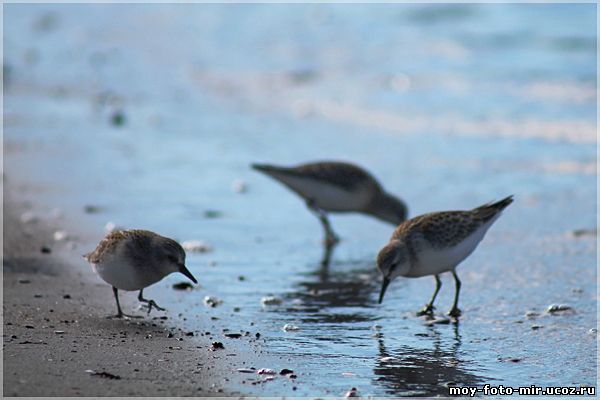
[154,113]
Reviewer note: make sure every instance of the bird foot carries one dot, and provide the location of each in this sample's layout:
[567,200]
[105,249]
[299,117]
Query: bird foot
[427,310]
[152,303]
[455,312]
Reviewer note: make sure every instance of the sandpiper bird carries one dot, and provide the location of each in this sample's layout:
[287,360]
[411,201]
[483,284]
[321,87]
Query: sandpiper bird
[135,259]
[337,187]
[434,243]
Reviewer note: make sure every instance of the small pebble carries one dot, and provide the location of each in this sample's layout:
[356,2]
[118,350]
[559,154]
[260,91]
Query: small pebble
[290,328]
[46,250]
[24,281]
[536,327]
[233,335]
[66,296]
[59,332]
[216,346]
[212,214]
[286,371]
[270,301]
[212,301]
[246,370]
[239,186]
[556,308]
[90,209]
[532,314]
[117,118]
[60,235]
[183,286]
[266,371]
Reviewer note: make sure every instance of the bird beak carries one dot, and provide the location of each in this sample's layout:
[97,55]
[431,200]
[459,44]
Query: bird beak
[183,269]
[384,286]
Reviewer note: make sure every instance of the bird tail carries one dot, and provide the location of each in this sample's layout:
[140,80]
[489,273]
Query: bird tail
[489,210]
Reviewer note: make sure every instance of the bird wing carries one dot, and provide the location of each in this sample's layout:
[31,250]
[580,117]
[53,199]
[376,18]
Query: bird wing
[439,229]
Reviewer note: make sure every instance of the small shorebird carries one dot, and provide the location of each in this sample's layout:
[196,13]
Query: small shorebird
[135,259]
[434,243]
[337,187]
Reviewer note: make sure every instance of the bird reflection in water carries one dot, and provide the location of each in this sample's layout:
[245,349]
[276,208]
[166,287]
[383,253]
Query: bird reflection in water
[410,371]
[336,296]
[328,249]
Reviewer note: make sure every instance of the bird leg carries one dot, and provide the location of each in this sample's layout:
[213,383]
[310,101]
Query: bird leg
[455,311]
[120,313]
[330,237]
[428,309]
[151,303]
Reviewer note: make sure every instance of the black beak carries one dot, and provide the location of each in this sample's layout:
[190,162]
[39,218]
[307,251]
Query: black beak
[384,286]
[183,269]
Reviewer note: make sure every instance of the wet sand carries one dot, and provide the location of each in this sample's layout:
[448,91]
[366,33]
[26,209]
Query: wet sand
[58,341]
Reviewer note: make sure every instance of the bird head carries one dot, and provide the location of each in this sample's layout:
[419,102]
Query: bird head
[392,261]
[173,257]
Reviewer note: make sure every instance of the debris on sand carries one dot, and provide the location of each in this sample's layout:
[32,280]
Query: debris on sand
[28,216]
[196,246]
[212,301]
[118,118]
[532,314]
[584,232]
[352,392]
[46,250]
[290,328]
[239,186]
[60,235]
[212,214]
[183,286]
[91,209]
[233,335]
[266,371]
[558,308]
[536,327]
[247,370]
[509,359]
[270,301]
[102,374]
[286,371]
[216,346]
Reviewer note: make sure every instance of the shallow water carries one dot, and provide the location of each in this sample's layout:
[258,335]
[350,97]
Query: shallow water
[450,106]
